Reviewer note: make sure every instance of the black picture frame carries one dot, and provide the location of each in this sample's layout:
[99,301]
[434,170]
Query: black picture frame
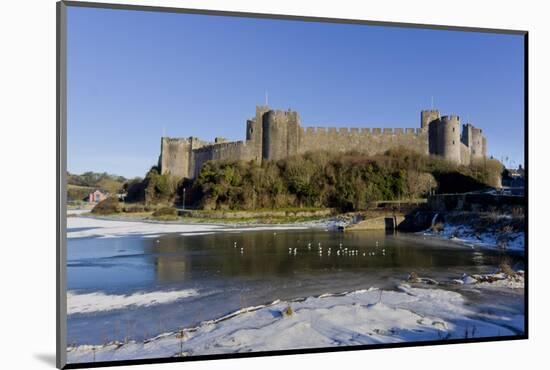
[61,165]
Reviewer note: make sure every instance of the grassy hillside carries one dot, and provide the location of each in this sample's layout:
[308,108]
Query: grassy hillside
[346,181]
[79,186]
[78,192]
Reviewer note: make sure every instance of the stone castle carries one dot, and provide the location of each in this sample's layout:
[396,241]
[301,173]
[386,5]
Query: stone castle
[275,134]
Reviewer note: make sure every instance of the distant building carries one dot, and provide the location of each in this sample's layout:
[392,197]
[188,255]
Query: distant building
[97,196]
[514,178]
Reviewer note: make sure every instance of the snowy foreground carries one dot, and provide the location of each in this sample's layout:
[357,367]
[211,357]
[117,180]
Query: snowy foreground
[354,318]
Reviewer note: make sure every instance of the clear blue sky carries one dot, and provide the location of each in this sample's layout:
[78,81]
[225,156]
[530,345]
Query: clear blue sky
[133,75]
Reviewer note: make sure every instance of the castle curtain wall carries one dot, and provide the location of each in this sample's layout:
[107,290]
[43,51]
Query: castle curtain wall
[231,151]
[364,140]
[276,134]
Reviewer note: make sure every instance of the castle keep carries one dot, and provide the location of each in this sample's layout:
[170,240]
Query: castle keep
[275,134]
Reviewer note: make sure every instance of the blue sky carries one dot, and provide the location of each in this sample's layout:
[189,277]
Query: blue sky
[133,76]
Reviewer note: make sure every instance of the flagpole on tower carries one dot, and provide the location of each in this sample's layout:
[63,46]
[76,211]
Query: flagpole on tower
[266,98]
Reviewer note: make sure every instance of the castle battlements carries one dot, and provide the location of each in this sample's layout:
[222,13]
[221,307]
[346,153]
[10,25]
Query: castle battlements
[450,118]
[222,145]
[276,134]
[360,131]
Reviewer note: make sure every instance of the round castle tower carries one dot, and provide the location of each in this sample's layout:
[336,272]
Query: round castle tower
[275,134]
[449,138]
[280,134]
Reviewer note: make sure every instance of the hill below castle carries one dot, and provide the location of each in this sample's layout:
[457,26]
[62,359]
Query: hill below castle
[347,181]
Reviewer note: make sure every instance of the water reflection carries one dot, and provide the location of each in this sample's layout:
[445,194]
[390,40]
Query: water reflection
[111,264]
[263,254]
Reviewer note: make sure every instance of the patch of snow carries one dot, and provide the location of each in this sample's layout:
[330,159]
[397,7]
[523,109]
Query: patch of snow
[465,235]
[98,301]
[77,211]
[197,233]
[496,280]
[467,279]
[94,227]
[504,283]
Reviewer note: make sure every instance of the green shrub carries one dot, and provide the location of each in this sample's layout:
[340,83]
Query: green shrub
[159,188]
[288,312]
[78,193]
[108,206]
[134,208]
[135,190]
[165,211]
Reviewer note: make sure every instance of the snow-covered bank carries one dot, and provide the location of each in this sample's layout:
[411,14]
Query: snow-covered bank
[512,241]
[98,301]
[77,212]
[500,279]
[355,318]
[82,227]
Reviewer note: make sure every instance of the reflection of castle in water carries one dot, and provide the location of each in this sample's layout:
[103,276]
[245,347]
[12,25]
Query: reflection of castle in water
[170,264]
[171,269]
[275,134]
[180,258]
